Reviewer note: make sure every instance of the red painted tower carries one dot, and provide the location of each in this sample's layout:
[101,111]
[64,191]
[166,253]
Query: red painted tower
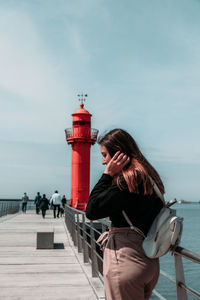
[81,136]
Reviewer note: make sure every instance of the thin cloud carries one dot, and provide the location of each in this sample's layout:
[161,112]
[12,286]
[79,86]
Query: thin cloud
[30,76]
[27,69]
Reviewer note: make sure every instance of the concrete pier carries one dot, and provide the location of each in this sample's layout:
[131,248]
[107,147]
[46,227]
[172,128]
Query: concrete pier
[28,273]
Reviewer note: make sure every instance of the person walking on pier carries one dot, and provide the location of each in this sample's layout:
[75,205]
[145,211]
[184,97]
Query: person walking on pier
[64,201]
[126,186]
[62,209]
[56,202]
[44,205]
[37,203]
[25,199]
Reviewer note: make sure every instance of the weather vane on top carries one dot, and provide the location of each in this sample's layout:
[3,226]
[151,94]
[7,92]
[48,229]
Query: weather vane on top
[82,97]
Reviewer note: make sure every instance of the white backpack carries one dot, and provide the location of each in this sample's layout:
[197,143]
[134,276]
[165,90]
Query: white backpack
[165,231]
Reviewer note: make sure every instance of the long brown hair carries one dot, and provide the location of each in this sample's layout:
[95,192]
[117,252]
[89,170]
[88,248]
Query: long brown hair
[139,170]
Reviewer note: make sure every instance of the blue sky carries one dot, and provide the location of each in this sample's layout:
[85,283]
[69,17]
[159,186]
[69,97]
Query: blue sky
[139,62]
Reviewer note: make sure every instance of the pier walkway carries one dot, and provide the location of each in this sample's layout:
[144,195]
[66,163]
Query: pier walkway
[28,274]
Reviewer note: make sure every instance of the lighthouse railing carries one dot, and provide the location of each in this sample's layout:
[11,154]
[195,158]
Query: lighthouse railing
[68,133]
[84,234]
[92,133]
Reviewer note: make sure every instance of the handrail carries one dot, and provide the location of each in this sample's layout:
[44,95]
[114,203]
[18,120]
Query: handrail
[12,206]
[187,254]
[8,207]
[84,234]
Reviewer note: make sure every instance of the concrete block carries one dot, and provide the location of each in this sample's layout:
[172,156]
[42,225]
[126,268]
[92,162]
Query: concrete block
[45,238]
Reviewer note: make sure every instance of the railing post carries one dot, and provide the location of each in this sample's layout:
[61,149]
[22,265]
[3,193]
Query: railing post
[78,234]
[180,278]
[74,228]
[85,246]
[67,219]
[73,225]
[70,222]
[4,209]
[93,250]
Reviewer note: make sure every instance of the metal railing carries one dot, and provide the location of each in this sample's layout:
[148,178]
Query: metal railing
[12,206]
[85,233]
[9,207]
[79,133]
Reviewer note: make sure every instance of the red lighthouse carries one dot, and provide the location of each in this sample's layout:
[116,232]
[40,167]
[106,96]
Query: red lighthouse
[81,136]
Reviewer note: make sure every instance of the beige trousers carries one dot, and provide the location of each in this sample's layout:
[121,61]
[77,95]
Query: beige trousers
[128,273]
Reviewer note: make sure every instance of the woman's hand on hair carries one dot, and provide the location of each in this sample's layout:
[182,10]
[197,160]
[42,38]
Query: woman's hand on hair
[116,164]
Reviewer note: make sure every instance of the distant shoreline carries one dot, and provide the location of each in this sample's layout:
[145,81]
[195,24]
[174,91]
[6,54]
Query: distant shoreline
[178,201]
[187,202]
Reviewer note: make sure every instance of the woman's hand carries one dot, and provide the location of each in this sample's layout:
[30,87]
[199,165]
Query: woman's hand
[116,164]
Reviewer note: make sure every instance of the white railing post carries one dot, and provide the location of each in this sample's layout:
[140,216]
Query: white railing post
[180,278]
[85,246]
[93,251]
[78,234]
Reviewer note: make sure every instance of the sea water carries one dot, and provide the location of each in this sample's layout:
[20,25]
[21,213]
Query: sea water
[191,241]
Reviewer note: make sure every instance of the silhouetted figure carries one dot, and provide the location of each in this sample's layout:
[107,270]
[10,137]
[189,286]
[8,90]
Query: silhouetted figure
[64,201]
[55,201]
[37,203]
[25,199]
[44,205]
[62,209]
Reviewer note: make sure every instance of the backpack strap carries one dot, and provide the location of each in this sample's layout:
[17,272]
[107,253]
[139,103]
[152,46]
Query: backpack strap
[131,225]
[158,193]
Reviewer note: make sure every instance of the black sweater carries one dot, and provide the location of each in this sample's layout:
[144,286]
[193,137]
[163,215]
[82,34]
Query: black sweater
[107,200]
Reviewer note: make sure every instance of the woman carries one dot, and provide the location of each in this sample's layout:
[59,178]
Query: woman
[44,205]
[126,185]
